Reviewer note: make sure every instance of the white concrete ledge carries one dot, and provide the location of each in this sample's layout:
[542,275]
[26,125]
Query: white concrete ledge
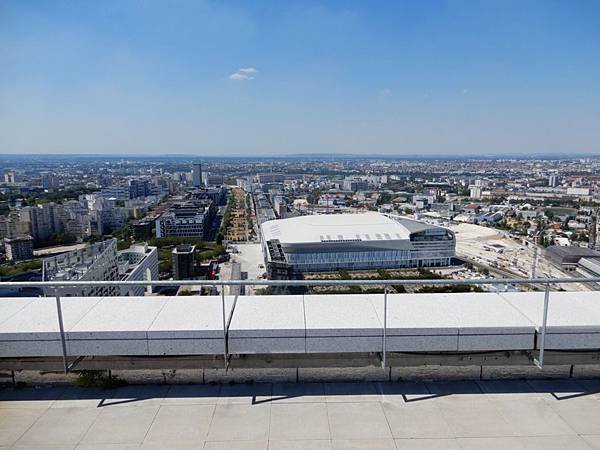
[341,323]
[268,324]
[573,317]
[193,325]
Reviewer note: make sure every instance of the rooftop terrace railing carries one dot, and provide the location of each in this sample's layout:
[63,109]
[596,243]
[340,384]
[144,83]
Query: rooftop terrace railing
[57,288]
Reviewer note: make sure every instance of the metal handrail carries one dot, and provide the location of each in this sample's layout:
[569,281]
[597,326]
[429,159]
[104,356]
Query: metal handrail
[57,286]
[262,282]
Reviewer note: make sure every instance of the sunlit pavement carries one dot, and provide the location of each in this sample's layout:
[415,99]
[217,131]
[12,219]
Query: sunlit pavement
[440,415]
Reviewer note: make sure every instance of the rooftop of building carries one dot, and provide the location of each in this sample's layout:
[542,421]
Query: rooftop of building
[531,414]
[371,226]
[184,249]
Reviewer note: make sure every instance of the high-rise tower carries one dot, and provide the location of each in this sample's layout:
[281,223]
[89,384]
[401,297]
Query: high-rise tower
[197,174]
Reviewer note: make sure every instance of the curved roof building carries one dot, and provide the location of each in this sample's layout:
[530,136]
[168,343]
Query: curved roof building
[352,242]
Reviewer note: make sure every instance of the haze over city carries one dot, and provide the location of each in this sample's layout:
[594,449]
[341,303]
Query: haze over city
[276,78]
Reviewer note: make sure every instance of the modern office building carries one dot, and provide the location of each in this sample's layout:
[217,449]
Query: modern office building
[183,262]
[19,248]
[98,262]
[352,242]
[102,262]
[190,219]
[197,174]
[137,263]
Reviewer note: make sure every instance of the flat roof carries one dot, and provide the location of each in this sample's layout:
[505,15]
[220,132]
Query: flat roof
[371,226]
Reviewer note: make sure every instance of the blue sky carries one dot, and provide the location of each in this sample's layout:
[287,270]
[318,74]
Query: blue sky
[276,77]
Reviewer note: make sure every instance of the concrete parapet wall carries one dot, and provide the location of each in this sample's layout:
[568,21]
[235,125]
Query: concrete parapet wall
[313,375]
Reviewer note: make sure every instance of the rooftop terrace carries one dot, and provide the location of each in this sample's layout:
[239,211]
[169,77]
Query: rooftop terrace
[542,414]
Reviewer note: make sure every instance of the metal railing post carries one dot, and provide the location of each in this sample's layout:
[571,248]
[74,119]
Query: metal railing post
[62,331]
[540,361]
[384,358]
[225,355]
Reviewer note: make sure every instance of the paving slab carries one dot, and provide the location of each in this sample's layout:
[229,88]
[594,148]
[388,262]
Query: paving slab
[341,323]
[181,424]
[357,421]
[62,426]
[236,422]
[118,426]
[268,324]
[286,418]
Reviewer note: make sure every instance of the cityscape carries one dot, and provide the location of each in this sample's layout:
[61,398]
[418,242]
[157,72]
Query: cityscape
[300,224]
[214,219]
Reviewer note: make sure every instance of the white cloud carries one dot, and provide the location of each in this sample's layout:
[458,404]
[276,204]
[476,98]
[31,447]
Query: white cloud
[240,77]
[243,74]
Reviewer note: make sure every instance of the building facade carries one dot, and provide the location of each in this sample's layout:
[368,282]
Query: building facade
[102,262]
[19,248]
[183,262]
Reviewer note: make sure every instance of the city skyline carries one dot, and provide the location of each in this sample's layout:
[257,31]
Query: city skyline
[227,79]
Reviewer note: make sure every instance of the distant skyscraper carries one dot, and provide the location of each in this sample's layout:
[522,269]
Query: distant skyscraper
[197,174]
[553,181]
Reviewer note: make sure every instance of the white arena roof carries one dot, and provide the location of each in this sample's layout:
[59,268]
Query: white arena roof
[370,226]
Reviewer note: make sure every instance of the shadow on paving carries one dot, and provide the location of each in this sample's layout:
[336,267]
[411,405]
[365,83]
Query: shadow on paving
[279,392]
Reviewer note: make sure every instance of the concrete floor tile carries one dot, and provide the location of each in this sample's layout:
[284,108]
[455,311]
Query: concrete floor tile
[233,422]
[475,418]
[77,397]
[406,391]
[107,447]
[582,414]
[416,420]
[241,445]
[592,441]
[121,425]
[357,421]
[303,444]
[554,443]
[532,417]
[15,422]
[506,388]
[363,444]
[35,397]
[43,447]
[298,393]
[192,394]
[183,424]
[490,443]
[60,426]
[247,394]
[141,395]
[453,388]
[299,421]
[174,445]
[352,392]
[560,388]
[427,444]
